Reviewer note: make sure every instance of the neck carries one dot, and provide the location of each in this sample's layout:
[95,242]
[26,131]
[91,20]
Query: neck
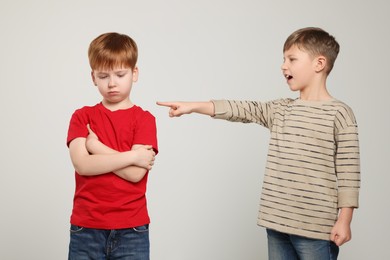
[316,91]
[315,95]
[117,106]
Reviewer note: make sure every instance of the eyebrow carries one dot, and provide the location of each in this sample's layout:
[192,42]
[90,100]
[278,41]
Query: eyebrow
[287,56]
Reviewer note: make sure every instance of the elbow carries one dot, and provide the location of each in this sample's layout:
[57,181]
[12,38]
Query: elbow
[136,179]
[82,173]
[137,176]
[86,167]
[81,169]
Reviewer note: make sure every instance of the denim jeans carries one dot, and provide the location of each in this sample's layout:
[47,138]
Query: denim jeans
[282,246]
[100,244]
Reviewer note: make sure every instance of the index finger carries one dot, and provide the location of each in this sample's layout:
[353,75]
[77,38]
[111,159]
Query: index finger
[166,104]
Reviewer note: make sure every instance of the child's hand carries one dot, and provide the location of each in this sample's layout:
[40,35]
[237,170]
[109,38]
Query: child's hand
[177,108]
[91,133]
[145,156]
[341,232]
[90,139]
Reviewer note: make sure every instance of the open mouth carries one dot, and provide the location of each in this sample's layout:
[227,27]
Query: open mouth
[288,77]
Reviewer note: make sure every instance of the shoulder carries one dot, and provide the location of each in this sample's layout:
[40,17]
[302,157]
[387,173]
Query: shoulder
[340,105]
[86,109]
[344,112]
[344,120]
[84,114]
[281,102]
[142,114]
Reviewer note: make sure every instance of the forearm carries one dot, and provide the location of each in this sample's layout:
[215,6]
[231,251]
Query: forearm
[130,173]
[96,164]
[346,215]
[244,111]
[94,146]
[205,108]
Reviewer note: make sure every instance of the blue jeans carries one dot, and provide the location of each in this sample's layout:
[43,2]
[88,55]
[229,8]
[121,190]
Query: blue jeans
[282,246]
[100,244]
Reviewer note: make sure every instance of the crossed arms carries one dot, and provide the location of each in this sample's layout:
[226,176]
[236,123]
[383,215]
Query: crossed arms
[91,157]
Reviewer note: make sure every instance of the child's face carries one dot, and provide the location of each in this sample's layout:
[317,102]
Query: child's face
[298,68]
[115,85]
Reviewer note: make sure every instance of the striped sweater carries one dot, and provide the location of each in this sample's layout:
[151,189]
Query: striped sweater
[313,165]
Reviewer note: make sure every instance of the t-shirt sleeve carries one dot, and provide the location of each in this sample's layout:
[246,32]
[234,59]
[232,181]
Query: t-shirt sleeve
[146,131]
[77,126]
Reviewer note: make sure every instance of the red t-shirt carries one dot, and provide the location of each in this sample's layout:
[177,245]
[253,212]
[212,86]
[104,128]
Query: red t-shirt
[107,201]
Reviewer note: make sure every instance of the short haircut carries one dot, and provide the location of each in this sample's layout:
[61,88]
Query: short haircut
[315,41]
[112,50]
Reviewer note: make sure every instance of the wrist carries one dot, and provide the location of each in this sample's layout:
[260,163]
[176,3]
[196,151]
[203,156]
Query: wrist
[345,215]
[133,155]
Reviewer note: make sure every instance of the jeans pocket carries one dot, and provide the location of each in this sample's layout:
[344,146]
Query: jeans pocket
[141,229]
[75,229]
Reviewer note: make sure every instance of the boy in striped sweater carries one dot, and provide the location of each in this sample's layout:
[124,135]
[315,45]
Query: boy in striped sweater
[312,177]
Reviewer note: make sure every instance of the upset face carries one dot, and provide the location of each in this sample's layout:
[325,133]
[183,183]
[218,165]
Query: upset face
[299,69]
[115,85]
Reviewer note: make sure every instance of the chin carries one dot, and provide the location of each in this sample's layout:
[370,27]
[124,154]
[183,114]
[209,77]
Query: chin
[294,89]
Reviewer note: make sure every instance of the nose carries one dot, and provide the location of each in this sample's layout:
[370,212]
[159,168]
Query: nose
[111,82]
[283,67]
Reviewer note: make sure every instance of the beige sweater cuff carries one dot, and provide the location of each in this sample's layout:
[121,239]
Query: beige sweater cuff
[220,109]
[348,199]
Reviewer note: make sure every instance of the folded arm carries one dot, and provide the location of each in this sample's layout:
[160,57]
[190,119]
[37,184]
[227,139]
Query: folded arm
[95,164]
[131,173]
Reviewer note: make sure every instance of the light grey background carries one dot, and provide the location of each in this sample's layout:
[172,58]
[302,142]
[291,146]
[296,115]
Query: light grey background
[203,192]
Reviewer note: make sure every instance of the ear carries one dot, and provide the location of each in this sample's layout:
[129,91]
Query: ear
[320,63]
[135,74]
[93,78]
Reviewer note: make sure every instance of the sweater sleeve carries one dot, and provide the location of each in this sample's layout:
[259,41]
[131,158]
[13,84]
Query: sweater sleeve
[347,161]
[244,111]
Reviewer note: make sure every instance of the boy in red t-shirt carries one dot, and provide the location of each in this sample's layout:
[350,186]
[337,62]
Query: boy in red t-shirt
[112,146]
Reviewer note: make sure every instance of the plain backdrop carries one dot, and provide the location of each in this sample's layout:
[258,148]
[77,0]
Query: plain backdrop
[204,190]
